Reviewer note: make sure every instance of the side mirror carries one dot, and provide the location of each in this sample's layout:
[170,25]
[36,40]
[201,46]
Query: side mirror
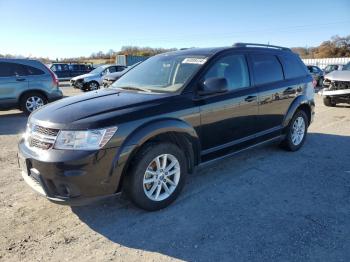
[212,86]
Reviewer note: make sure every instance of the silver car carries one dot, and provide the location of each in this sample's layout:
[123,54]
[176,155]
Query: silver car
[26,84]
[93,80]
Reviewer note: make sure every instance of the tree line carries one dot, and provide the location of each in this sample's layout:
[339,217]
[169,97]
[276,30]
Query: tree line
[337,46]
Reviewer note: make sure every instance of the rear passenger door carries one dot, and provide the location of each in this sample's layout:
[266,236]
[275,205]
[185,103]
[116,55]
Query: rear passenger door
[13,82]
[274,95]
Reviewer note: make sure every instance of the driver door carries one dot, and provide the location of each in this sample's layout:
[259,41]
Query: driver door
[229,118]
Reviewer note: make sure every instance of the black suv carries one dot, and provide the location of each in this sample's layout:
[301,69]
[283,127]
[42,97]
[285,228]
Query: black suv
[66,71]
[163,118]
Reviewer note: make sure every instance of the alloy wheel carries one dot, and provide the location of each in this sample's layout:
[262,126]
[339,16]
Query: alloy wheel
[298,130]
[33,103]
[161,177]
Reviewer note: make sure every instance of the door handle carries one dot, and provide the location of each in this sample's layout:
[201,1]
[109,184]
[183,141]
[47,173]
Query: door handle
[20,79]
[250,98]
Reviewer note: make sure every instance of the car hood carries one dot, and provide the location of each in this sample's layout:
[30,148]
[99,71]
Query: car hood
[105,107]
[83,76]
[338,76]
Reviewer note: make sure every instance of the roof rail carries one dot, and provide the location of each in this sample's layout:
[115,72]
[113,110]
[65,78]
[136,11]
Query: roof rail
[260,45]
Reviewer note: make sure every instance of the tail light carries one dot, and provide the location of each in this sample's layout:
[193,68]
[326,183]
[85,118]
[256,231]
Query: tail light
[54,77]
[314,83]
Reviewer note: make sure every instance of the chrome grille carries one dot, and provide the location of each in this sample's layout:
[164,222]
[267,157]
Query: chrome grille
[41,137]
[45,131]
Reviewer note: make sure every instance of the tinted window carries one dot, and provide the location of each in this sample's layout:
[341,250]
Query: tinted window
[120,68]
[294,67]
[233,68]
[34,71]
[267,69]
[11,69]
[111,69]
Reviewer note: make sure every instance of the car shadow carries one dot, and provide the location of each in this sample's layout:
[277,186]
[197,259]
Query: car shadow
[12,123]
[255,206]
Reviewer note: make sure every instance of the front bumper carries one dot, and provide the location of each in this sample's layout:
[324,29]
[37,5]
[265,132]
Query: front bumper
[70,177]
[77,83]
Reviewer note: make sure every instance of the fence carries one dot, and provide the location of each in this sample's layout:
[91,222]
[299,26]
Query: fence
[323,62]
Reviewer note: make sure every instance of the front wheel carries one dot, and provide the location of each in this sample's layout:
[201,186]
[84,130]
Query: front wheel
[157,176]
[296,132]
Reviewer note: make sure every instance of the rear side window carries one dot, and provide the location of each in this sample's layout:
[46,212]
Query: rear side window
[267,69]
[11,69]
[34,71]
[294,67]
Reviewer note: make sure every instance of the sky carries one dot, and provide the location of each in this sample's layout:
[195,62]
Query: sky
[63,28]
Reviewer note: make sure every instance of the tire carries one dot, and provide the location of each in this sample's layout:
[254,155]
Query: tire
[32,101]
[327,101]
[93,85]
[296,132]
[152,195]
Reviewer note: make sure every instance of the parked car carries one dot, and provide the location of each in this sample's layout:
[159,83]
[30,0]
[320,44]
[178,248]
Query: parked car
[331,68]
[93,80]
[168,115]
[317,74]
[26,84]
[109,79]
[337,87]
[65,71]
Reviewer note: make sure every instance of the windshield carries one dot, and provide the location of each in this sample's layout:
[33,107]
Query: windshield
[346,67]
[98,70]
[161,73]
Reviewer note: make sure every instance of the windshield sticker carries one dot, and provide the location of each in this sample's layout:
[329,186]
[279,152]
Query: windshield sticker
[192,60]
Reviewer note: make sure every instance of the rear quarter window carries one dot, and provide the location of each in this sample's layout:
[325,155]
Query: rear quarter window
[294,67]
[267,69]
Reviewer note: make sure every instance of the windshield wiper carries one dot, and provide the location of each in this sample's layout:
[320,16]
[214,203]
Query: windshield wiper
[135,88]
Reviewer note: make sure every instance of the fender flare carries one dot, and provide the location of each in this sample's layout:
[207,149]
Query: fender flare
[299,101]
[141,135]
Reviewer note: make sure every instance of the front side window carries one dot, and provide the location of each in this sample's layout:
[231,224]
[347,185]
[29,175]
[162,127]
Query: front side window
[267,69]
[162,73]
[233,68]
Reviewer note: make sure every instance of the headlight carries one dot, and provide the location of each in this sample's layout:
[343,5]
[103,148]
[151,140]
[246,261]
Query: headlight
[84,140]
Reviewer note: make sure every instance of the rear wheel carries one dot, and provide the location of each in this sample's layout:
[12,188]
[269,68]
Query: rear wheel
[32,101]
[157,176]
[296,132]
[327,101]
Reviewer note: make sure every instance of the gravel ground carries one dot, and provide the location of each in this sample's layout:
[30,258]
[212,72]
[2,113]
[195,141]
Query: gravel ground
[261,205]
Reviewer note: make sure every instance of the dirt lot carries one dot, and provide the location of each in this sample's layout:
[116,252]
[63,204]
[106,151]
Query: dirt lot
[262,205]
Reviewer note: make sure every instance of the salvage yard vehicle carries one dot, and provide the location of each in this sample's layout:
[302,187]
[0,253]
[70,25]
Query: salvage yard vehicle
[337,87]
[331,68]
[93,80]
[65,71]
[317,74]
[109,79]
[157,123]
[26,84]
